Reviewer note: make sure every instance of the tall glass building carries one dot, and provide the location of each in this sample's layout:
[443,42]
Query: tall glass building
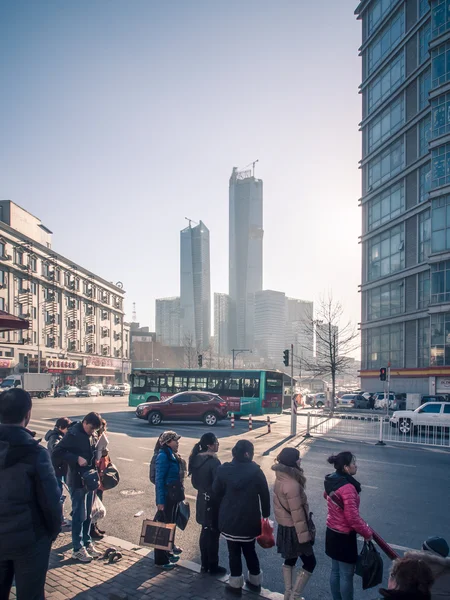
[405,292]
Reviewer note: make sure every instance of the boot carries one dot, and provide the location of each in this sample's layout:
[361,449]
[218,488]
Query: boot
[288,573]
[94,533]
[300,584]
[235,584]
[254,581]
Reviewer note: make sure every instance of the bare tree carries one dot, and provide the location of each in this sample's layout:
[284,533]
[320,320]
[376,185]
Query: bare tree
[335,341]
[190,351]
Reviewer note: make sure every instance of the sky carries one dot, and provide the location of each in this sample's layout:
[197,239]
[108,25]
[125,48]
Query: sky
[120,119]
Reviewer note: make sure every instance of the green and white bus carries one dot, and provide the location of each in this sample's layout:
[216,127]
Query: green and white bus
[245,391]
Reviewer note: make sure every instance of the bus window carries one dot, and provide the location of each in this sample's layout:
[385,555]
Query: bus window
[250,388]
[274,386]
[180,384]
[138,384]
[232,386]
[215,384]
[152,383]
[201,383]
[165,383]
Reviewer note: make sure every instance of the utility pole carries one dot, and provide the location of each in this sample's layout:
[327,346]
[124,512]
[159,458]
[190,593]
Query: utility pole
[236,352]
[293,407]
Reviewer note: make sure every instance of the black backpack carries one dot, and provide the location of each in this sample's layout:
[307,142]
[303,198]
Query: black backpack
[153,469]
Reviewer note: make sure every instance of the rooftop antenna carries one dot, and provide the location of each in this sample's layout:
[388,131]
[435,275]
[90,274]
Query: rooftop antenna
[252,164]
[190,221]
[133,315]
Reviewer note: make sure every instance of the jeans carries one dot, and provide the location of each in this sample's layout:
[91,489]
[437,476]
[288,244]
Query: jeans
[29,568]
[341,580]
[209,547]
[309,562]
[81,517]
[251,558]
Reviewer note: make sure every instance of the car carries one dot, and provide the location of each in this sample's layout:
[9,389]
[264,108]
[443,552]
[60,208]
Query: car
[353,401]
[430,414]
[112,390]
[68,390]
[124,387]
[319,400]
[185,406]
[380,402]
[87,391]
[440,398]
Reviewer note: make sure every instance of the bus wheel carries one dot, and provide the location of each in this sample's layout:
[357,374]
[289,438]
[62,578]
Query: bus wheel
[210,418]
[155,418]
[41,395]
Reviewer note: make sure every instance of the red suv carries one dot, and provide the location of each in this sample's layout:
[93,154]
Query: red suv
[186,406]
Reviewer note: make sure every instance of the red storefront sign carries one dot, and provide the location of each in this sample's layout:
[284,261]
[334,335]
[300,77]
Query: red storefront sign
[62,365]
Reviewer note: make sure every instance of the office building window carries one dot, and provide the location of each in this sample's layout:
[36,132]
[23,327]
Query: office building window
[440,282]
[424,88]
[2,304]
[386,124]
[386,165]
[33,264]
[385,344]
[2,278]
[386,253]
[385,301]
[390,78]
[440,224]
[424,41]
[386,40]
[424,7]
[440,158]
[424,289]
[2,248]
[440,65]
[424,235]
[19,257]
[424,182]
[424,135]
[387,206]
[441,115]
[439,20]
[376,13]
[440,340]
[423,342]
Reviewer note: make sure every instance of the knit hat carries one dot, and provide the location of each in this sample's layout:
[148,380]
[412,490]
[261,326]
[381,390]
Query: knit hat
[168,436]
[289,457]
[437,545]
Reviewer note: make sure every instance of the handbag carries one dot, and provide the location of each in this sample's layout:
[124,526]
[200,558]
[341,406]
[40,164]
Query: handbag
[157,535]
[266,539]
[110,477]
[91,480]
[309,522]
[369,566]
[183,514]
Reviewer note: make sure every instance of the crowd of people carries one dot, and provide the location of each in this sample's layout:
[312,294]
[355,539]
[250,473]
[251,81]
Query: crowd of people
[233,501]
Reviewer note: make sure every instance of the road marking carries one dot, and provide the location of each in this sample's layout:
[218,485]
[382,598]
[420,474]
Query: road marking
[147,464]
[386,462]
[122,458]
[372,487]
[142,448]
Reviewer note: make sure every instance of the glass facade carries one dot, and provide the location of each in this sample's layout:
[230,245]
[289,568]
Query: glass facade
[424,7]
[440,339]
[440,282]
[386,165]
[440,224]
[386,206]
[424,41]
[390,78]
[386,253]
[423,342]
[440,65]
[423,285]
[424,135]
[439,17]
[441,115]
[385,344]
[440,166]
[377,11]
[386,124]
[424,235]
[385,301]
[424,88]
[386,40]
[424,182]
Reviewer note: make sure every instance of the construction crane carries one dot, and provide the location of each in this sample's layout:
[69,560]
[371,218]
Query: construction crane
[252,164]
[190,221]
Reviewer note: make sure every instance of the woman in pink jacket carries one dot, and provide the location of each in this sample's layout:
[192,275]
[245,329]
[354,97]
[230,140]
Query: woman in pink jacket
[343,524]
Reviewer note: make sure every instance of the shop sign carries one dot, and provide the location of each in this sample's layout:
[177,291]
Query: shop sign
[104,363]
[62,365]
[5,363]
[443,384]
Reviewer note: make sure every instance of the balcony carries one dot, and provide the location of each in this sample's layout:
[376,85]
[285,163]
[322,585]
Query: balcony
[5,256]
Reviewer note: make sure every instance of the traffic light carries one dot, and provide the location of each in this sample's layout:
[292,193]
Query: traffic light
[200,360]
[25,362]
[383,372]
[286,358]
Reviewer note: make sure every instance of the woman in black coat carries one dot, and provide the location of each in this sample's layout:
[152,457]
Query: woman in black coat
[242,490]
[203,464]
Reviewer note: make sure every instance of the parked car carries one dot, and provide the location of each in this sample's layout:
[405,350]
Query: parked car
[185,406]
[319,400]
[68,390]
[431,414]
[380,402]
[353,401]
[440,398]
[124,387]
[113,390]
[87,391]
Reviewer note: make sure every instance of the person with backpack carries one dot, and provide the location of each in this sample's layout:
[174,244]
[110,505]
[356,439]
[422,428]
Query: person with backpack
[202,467]
[30,501]
[243,494]
[77,449]
[170,469]
[291,508]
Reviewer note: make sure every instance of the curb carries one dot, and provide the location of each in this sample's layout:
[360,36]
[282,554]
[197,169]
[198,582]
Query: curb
[185,564]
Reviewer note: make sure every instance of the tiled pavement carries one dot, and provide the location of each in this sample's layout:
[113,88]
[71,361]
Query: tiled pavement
[133,577]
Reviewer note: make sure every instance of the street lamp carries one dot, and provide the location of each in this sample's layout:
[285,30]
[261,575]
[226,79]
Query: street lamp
[236,352]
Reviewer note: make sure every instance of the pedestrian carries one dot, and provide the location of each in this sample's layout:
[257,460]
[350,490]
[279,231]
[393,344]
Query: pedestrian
[410,579]
[371,404]
[343,524]
[242,490]
[203,465]
[102,460]
[77,448]
[169,476]
[55,394]
[53,437]
[291,513]
[30,501]
[435,552]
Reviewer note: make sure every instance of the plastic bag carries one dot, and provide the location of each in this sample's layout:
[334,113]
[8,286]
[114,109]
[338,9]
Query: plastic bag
[98,510]
[369,566]
[266,539]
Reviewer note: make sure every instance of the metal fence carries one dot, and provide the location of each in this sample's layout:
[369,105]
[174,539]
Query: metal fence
[377,428]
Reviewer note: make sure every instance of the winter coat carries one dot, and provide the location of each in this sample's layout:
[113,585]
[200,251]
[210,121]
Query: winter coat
[243,493]
[290,503]
[347,520]
[167,471]
[204,468]
[30,500]
[74,444]
[399,595]
[53,437]
[440,567]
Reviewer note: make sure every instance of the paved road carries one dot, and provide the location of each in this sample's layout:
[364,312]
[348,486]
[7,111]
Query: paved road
[404,495]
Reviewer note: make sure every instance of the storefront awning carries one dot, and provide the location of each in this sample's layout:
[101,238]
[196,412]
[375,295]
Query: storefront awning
[10,322]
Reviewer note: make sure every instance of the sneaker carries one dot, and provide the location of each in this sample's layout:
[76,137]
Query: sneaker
[167,567]
[81,555]
[174,559]
[93,552]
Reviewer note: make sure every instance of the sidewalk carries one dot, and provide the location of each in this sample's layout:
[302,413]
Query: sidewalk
[133,577]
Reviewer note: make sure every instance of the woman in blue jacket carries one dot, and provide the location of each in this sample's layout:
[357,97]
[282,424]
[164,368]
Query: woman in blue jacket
[170,471]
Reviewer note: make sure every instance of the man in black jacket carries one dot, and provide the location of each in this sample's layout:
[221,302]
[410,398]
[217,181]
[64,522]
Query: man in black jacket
[30,507]
[77,449]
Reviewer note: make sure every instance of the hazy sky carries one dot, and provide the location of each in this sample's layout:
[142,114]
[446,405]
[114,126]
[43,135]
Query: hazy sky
[120,118]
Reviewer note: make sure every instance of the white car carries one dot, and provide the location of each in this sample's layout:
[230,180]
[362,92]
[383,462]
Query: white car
[68,390]
[380,402]
[430,414]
